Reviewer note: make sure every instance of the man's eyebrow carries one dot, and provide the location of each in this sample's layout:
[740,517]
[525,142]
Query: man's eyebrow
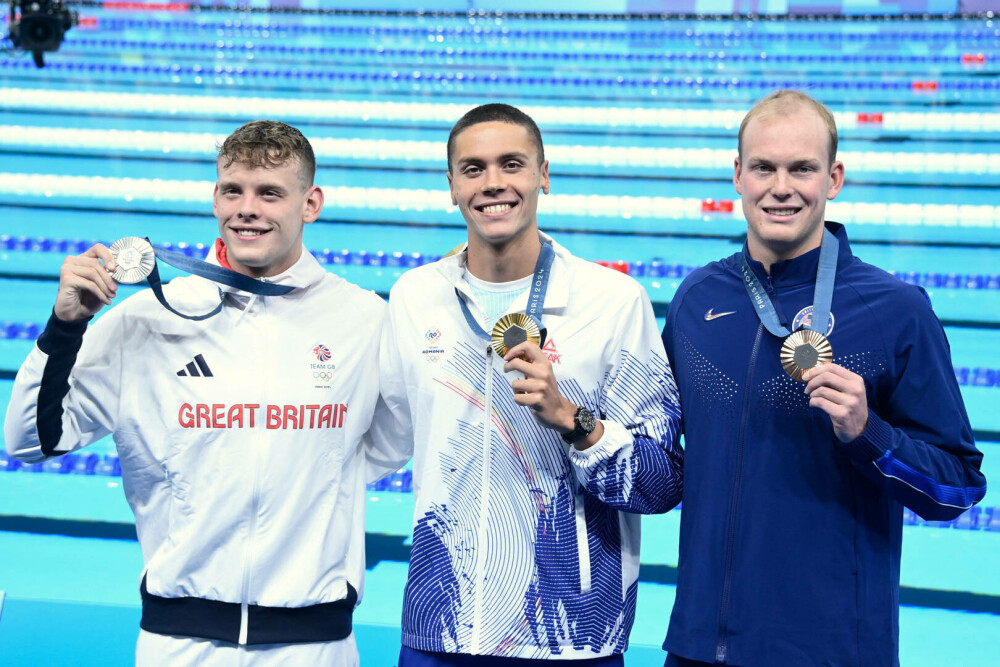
[794,163]
[271,186]
[515,155]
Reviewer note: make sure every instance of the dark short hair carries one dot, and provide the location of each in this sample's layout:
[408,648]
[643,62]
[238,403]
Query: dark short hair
[269,144]
[493,113]
[785,102]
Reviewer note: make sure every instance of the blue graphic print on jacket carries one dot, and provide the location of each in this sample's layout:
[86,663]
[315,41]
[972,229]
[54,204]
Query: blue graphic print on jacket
[545,570]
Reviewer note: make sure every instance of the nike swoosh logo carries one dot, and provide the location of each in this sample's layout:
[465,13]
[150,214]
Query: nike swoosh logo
[709,316]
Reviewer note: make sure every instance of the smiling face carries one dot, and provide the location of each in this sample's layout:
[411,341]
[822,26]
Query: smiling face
[785,177]
[495,178]
[261,211]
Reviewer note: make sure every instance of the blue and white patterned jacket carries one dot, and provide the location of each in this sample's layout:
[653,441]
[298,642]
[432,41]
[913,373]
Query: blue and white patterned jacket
[522,545]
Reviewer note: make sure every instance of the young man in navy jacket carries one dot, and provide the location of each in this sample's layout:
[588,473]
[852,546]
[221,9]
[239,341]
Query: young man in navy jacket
[794,488]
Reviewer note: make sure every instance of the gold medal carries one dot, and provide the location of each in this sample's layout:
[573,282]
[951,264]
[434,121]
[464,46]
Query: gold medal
[512,330]
[134,259]
[804,349]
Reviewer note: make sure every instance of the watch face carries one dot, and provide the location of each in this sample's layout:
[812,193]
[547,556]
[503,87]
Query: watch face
[586,420]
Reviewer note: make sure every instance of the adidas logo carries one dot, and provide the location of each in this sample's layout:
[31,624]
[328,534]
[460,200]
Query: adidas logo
[197,368]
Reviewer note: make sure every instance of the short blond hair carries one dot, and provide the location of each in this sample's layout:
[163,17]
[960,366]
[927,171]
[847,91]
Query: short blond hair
[783,103]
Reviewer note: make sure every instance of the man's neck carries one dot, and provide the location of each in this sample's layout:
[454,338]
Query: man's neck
[502,264]
[769,256]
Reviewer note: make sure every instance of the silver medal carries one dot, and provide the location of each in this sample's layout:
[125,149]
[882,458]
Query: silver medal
[134,259]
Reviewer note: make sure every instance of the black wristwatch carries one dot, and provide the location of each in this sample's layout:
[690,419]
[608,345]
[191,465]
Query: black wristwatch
[584,423]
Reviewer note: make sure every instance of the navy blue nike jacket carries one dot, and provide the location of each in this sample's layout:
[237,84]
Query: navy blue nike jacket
[790,539]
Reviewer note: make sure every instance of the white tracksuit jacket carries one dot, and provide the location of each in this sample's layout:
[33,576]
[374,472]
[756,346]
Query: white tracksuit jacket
[523,546]
[240,444]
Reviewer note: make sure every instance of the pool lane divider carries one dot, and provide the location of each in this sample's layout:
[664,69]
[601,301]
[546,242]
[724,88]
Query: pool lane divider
[381,547]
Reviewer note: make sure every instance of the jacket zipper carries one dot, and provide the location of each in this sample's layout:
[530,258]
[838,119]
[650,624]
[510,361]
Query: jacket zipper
[582,542]
[721,649]
[484,495]
[251,535]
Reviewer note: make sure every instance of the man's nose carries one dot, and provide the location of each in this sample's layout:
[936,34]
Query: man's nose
[493,182]
[781,186]
[248,209]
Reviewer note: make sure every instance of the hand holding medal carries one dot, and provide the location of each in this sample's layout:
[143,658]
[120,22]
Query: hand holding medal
[841,394]
[85,285]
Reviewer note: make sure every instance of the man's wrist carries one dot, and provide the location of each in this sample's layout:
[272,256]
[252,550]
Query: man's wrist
[584,424]
[567,420]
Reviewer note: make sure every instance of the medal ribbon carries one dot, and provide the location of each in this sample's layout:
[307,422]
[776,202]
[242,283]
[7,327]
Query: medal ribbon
[218,274]
[536,296]
[822,293]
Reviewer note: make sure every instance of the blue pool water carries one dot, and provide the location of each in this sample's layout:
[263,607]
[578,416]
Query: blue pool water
[117,136]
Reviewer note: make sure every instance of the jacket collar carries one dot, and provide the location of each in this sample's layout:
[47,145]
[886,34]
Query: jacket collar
[304,273]
[801,270]
[557,296]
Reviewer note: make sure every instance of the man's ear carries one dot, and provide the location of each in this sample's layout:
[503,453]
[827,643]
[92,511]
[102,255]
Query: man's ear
[313,205]
[836,179]
[451,190]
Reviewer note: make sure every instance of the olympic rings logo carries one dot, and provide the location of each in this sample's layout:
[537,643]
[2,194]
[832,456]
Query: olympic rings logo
[325,376]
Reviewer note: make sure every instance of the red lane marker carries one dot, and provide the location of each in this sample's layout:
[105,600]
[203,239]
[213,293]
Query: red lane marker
[716,206]
[620,265]
[869,118]
[147,6]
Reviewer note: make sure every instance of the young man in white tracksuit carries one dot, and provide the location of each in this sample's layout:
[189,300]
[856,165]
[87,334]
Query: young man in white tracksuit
[238,434]
[531,459]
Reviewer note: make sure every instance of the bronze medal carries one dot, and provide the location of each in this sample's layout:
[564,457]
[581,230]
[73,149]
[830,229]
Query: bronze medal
[512,330]
[134,259]
[804,349]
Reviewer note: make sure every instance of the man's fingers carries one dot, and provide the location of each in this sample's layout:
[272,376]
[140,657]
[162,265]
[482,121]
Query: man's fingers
[84,272]
[835,396]
[527,386]
[830,375]
[528,400]
[827,369]
[526,350]
[528,359]
[101,252]
[832,408]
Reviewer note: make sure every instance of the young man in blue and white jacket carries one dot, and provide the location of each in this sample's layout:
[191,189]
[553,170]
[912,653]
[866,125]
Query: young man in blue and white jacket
[529,464]
[792,523]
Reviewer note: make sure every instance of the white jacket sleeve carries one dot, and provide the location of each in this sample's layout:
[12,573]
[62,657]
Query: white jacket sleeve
[637,464]
[389,442]
[66,394]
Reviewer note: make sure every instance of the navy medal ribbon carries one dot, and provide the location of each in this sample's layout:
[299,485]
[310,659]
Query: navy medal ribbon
[801,350]
[532,326]
[136,259]
[822,294]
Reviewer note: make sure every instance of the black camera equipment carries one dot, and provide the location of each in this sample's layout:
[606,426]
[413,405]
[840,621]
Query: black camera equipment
[40,25]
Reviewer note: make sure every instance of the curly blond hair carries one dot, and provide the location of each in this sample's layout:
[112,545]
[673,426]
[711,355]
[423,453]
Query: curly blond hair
[269,144]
